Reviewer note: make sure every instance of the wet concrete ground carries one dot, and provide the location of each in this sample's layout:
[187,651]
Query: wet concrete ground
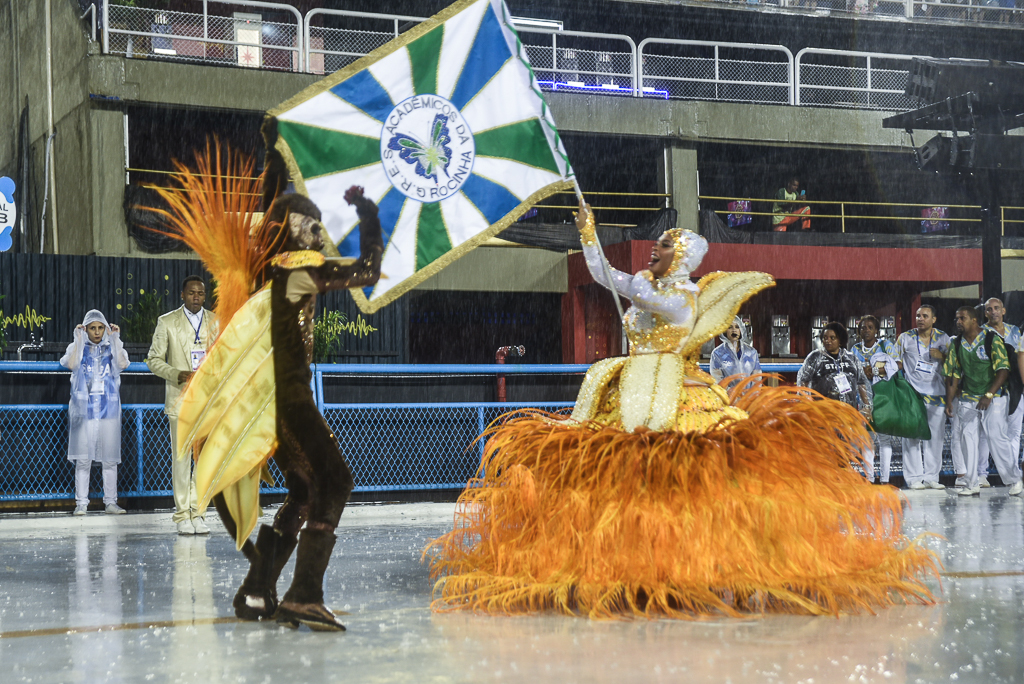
[123,599]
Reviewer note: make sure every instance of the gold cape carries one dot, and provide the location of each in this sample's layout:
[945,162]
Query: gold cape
[228,414]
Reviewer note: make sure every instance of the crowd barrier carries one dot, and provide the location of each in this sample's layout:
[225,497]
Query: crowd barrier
[326,40]
[390,446]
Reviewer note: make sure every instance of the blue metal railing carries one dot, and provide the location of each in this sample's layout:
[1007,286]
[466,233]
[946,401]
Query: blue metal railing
[390,446]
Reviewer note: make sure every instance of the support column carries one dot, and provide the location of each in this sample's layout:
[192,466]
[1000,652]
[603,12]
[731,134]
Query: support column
[678,173]
[107,162]
[985,187]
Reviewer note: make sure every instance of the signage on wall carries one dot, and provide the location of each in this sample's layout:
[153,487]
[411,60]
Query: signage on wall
[8,213]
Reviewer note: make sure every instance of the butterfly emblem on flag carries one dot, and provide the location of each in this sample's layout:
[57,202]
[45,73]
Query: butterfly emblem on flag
[446,129]
[429,158]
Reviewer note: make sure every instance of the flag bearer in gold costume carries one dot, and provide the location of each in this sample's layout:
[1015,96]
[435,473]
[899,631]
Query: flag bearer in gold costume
[663,495]
[250,399]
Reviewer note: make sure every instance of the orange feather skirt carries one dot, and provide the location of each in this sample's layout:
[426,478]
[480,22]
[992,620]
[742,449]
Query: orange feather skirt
[759,514]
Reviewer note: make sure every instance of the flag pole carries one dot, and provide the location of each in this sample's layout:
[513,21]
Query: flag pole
[604,259]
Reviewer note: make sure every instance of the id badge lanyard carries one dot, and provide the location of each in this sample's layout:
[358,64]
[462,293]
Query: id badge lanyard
[197,328]
[197,354]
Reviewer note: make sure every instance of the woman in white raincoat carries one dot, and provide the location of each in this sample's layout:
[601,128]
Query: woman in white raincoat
[734,356]
[96,359]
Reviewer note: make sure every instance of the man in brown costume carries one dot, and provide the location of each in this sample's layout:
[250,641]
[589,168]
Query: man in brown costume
[318,478]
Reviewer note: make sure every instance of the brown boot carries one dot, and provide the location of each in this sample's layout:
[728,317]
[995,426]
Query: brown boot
[257,597]
[304,601]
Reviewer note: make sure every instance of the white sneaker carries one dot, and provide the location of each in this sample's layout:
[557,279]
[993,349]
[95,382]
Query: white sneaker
[186,527]
[114,509]
[1017,489]
[970,491]
[919,485]
[200,526]
[934,485]
[81,509]
[984,483]
[960,482]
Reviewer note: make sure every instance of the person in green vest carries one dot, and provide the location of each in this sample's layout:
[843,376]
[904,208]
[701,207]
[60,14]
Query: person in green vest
[976,369]
[786,211]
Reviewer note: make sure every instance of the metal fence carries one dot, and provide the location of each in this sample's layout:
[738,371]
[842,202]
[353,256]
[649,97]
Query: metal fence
[330,48]
[850,79]
[326,40]
[390,446]
[393,446]
[703,70]
[243,39]
[574,61]
[864,217]
[578,61]
[966,12]
[565,61]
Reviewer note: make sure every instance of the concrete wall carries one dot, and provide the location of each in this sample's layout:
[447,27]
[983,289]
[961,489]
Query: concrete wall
[1013,275]
[504,269]
[1013,280]
[692,120]
[25,83]
[90,91]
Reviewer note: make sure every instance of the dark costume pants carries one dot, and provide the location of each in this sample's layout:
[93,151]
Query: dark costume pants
[319,484]
[318,478]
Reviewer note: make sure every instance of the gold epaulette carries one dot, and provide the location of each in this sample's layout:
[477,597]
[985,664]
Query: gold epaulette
[301,259]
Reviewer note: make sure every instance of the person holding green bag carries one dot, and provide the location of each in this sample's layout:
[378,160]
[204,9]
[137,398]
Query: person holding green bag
[976,369]
[919,354]
[877,358]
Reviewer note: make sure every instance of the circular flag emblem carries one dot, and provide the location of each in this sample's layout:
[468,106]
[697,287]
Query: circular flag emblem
[427,148]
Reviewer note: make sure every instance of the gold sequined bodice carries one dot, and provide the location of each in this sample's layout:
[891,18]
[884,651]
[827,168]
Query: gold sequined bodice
[651,333]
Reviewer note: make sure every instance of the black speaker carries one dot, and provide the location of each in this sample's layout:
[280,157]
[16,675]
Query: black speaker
[933,153]
[997,84]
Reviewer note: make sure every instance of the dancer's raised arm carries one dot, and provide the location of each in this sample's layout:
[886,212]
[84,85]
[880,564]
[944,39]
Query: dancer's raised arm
[594,257]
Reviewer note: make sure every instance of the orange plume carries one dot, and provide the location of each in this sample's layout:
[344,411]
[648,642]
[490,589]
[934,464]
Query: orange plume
[212,211]
[759,515]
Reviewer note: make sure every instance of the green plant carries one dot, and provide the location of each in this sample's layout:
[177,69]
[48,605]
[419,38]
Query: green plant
[327,335]
[138,326]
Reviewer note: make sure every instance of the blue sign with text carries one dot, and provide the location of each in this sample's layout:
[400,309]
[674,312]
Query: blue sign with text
[8,213]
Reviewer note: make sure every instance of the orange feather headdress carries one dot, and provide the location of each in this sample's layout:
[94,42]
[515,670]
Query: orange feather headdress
[214,210]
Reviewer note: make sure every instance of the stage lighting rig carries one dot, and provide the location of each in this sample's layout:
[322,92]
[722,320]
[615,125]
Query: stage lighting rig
[972,104]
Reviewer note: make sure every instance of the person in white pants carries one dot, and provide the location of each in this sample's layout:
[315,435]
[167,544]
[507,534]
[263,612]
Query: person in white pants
[179,345]
[956,453]
[96,359]
[976,369]
[919,353]
[995,313]
[878,359]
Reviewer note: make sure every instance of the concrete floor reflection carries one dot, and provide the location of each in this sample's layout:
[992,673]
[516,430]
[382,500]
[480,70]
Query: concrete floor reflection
[105,599]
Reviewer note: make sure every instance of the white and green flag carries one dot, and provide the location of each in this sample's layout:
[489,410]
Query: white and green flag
[446,129]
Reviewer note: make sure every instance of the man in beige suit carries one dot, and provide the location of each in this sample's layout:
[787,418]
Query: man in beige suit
[179,346]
